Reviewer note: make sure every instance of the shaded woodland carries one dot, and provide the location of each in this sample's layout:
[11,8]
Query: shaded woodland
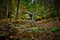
[29,19]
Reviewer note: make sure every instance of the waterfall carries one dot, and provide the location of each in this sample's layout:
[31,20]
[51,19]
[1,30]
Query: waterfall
[31,15]
[32,1]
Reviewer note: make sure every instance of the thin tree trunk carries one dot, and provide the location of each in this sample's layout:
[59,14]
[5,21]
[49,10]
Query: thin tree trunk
[17,10]
[50,8]
[10,8]
[7,13]
[44,5]
[57,8]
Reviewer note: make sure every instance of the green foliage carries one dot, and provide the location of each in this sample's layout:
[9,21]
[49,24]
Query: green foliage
[36,29]
[40,9]
[3,3]
[36,17]
[2,15]
[2,35]
[54,29]
[31,7]
[25,39]
[12,16]
[13,31]
[26,16]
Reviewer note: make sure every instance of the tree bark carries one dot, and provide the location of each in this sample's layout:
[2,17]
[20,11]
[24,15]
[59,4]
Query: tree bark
[10,9]
[18,5]
[7,13]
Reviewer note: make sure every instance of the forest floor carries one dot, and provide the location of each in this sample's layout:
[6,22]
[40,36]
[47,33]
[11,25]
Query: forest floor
[29,24]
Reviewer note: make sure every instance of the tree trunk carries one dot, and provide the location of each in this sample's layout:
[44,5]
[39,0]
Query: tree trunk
[57,7]
[45,4]
[7,13]
[17,10]
[10,9]
[50,8]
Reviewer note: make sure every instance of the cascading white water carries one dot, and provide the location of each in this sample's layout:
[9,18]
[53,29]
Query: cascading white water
[32,1]
[31,15]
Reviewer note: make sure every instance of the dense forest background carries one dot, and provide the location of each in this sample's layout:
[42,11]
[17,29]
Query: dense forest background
[29,19]
[42,9]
